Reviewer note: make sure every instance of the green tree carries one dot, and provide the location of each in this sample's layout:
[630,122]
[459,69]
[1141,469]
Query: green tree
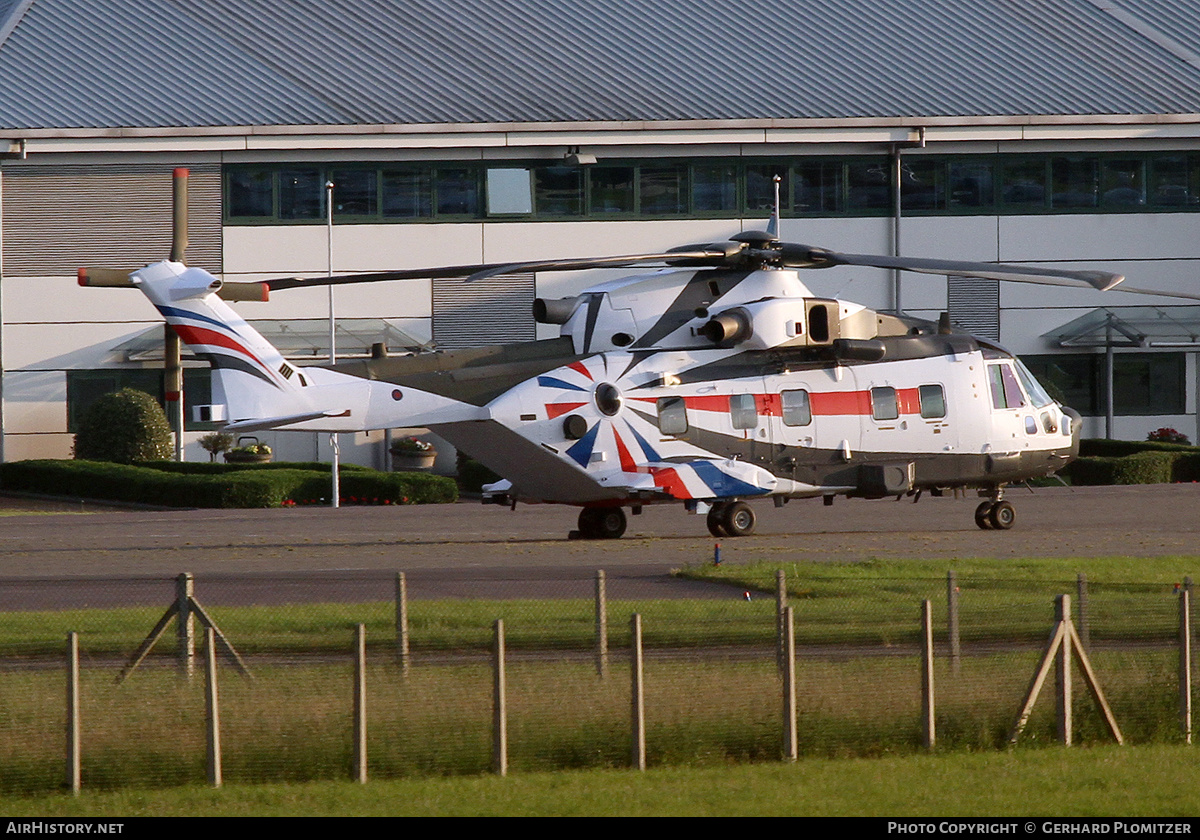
[124,426]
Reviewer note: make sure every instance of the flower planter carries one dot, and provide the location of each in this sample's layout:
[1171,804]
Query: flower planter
[246,458]
[413,461]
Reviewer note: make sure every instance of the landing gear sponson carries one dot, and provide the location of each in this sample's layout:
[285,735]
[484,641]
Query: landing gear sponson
[737,519]
[725,519]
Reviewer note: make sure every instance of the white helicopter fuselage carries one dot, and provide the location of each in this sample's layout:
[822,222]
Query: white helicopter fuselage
[703,387]
[811,431]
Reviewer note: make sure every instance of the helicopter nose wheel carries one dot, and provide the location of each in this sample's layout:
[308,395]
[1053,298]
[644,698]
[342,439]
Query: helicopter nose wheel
[731,519]
[995,516]
[601,523]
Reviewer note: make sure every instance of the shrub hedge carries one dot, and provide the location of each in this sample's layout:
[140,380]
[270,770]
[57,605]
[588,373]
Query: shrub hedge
[1134,462]
[229,486]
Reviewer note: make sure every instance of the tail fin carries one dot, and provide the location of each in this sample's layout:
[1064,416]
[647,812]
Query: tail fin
[253,387]
[249,375]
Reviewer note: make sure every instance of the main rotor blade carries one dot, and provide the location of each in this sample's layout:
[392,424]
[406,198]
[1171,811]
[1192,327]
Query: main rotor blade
[441,272]
[704,256]
[803,256]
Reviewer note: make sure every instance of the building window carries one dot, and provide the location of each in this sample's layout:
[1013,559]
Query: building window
[714,189]
[558,190]
[456,192]
[663,190]
[742,411]
[407,194]
[610,189]
[355,192]
[301,194]
[822,186]
[509,192]
[1075,181]
[1143,383]
[251,193]
[922,185]
[84,387]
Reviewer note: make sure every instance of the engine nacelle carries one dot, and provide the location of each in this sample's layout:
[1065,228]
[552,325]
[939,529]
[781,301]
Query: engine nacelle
[789,322]
[554,311]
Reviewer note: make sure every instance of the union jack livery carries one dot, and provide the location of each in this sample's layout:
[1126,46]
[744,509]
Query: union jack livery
[710,382]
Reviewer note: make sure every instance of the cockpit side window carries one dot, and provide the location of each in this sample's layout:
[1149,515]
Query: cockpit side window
[1004,388]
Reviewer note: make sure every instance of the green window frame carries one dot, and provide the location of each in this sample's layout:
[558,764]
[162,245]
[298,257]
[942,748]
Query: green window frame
[86,386]
[714,187]
[1144,384]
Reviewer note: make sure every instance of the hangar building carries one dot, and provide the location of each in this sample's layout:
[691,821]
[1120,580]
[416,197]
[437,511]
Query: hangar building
[1056,132]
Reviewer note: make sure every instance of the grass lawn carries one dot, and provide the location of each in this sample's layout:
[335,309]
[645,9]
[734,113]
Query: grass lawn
[1105,781]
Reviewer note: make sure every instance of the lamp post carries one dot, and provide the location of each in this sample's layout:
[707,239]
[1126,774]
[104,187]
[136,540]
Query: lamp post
[335,490]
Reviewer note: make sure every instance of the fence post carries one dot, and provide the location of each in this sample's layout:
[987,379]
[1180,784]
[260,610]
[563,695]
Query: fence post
[499,703]
[952,620]
[402,655]
[1085,633]
[74,775]
[1062,615]
[212,713]
[791,749]
[185,623]
[1185,665]
[927,701]
[360,703]
[601,624]
[638,700]
[780,606]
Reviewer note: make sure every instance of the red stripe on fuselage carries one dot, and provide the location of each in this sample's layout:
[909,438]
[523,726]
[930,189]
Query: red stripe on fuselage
[579,368]
[627,462]
[558,409]
[671,483]
[828,403]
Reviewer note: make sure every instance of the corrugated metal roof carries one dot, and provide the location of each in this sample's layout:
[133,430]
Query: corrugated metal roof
[163,63]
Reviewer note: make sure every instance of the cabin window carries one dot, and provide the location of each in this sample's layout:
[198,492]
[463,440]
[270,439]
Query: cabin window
[933,401]
[797,410]
[672,416]
[743,411]
[1002,383]
[883,404]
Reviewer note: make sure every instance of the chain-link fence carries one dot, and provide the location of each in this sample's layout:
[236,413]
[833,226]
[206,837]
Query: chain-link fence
[294,701]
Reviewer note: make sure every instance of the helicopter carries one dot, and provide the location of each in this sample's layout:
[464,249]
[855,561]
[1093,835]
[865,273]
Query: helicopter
[711,377]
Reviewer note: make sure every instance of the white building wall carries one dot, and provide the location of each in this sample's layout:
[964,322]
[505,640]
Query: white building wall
[52,325]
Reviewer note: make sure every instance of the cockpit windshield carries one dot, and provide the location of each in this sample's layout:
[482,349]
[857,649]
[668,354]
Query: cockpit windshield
[1037,394]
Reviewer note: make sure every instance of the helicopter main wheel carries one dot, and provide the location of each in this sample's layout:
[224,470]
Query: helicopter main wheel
[596,523]
[737,519]
[981,515]
[997,516]
[1001,516]
[715,521]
